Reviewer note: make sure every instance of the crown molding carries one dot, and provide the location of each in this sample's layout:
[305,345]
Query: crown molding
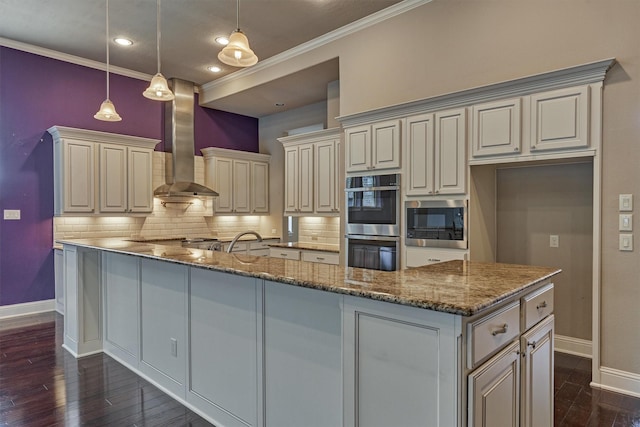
[329,37]
[72,59]
[592,72]
[62,132]
[209,152]
[316,136]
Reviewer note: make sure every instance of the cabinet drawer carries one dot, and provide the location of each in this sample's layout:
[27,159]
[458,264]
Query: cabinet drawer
[537,305]
[321,257]
[417,257]
[284,253]
[491,333]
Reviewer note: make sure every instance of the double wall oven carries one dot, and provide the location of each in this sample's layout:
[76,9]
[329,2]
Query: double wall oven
[373,221]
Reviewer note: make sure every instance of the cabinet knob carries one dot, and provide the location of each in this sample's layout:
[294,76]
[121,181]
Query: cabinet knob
[516,149]
[501,330]
[533,147]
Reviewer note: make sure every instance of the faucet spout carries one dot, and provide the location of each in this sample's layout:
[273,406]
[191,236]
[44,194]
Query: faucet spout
[239,235]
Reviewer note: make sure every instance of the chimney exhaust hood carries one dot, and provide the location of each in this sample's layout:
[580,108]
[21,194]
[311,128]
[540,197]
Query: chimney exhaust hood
[178,119]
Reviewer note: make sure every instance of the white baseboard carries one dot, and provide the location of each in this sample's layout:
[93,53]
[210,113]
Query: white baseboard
[23,309]
[575,346]
[619,381]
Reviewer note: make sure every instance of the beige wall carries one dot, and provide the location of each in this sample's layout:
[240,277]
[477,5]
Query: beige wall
[536,202]
[450,45]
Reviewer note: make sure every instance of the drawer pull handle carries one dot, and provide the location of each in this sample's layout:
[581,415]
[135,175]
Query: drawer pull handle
[284,255]
[532,344]
[502,330]
[319,258]
[543,304]
[434,259]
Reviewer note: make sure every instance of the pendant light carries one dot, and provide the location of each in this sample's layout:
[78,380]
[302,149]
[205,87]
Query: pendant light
[238,53]
[107,110]
[158,89]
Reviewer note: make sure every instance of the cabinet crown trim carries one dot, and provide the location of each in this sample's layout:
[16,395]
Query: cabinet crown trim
[234,154]
[567,77]
[320,135]
[62,132]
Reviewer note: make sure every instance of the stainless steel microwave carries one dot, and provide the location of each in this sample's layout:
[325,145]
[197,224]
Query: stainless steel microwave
[436,223]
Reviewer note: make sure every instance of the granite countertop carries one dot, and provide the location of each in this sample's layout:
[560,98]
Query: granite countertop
[457,287]
[307,246]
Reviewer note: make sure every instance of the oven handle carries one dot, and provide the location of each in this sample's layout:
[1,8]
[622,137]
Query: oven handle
[362,189]
[370,237]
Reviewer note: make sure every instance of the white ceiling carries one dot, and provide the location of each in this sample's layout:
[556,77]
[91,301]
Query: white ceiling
[189,29]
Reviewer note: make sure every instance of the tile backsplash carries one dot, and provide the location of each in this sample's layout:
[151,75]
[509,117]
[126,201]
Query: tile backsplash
[325,230]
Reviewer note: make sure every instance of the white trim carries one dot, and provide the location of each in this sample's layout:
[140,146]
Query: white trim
[618,381]
[575,346]
[322,40]
[61,132]
[72,59]
[14,310]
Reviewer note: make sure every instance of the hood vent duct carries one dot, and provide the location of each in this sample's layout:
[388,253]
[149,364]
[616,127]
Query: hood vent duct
[179,137]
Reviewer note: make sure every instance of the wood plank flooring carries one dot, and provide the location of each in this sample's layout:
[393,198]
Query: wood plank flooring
[43,385]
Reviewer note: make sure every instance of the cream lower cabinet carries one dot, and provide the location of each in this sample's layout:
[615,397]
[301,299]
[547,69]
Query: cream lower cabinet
[58,267]
[416,256]
[240,178]
[101,173]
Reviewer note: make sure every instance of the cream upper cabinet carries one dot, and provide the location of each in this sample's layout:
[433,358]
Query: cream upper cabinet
[496,128]
[372,147]
[560,119]
[125,179]
[450,154]
[420,152]
[312,172]
[240,178]
[101,173]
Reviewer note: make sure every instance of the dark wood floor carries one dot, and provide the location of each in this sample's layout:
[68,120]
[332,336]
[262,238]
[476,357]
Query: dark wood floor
[43,385]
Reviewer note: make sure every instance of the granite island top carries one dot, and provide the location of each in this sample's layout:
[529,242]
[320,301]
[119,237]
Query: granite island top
[457,287]
[321,247]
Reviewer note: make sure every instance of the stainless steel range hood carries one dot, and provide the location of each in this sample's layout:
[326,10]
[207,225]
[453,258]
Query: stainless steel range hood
[178,119]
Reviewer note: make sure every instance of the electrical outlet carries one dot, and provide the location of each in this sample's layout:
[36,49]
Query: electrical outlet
[274,231]
[554,241]
[13,214]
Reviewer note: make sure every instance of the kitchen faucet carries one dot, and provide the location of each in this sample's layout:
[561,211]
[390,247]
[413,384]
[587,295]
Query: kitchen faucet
[235,239]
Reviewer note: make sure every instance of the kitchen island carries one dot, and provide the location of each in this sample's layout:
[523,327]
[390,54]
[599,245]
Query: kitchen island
[254,341]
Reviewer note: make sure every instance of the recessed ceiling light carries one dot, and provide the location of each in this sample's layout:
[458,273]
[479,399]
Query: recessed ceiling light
[214,69]
[222,40]
[123,41]
[279,104]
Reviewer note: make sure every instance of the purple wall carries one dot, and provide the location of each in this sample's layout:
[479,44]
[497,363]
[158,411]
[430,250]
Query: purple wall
[37,93]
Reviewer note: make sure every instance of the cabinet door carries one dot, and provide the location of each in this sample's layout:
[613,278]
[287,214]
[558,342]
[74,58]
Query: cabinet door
[496,128]
[241,186]
[560,119]
[494,397]
[385,145]
[302,357]
[358,148]
[113,178]
[420,154]
[140,188]
[450,155]
[339,183]
[163,317]
[223,184]
[291,180]
[224,346]
[78,176]
[305,197]
[121,287]
[537,375]
[325,179]
[58,268]
[259,187]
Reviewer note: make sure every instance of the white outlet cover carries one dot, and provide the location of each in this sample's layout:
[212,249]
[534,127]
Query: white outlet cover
[12,214]
[626,242]
[554,241]
[625,222]
[626,203]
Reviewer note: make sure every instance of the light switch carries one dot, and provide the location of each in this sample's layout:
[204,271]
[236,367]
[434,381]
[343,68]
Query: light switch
[626,222]
[554,241]
[626,242]
[12,214]
[626,202]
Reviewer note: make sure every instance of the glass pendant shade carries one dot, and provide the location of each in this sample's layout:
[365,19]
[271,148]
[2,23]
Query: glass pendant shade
[107,112]
[238,53]
[158,89]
